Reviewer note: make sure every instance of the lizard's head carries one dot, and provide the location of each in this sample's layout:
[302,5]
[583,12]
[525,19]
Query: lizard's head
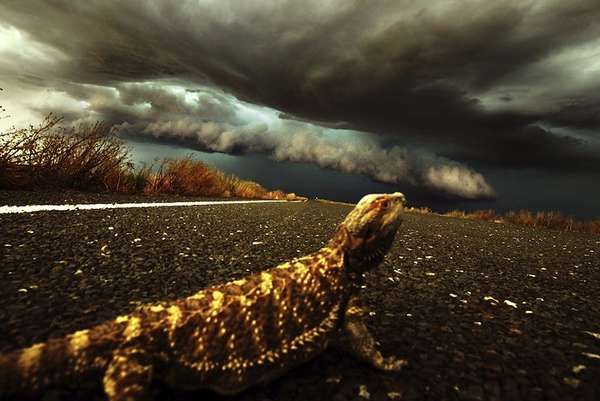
[368,231]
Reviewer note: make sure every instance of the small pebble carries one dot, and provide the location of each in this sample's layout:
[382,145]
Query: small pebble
[591,355]
[571,381]
[364,392]
[488,298]
[595,335]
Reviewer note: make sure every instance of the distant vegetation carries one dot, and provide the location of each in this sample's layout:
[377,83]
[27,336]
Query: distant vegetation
[88,157]
[553,220]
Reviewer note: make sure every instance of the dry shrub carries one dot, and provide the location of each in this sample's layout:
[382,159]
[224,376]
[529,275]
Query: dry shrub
[420,210]
[456,213]
[83,157]
[190,177]
[487,214]
[246,189]
[151,181]
[194,178]
[280,195]
[553,220]
[522,217]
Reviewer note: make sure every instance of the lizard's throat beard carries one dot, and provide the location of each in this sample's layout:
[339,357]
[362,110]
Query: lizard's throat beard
[370,256]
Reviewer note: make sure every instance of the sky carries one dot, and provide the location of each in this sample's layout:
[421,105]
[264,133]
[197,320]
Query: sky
[458,104]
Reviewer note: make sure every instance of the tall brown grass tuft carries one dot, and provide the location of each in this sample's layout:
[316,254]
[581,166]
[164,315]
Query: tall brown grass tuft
[88,157]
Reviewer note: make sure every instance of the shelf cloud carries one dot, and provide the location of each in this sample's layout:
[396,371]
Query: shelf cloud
[210,120]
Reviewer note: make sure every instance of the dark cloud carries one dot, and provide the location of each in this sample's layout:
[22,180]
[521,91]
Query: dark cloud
[581,113]
[532,146]
[474,80]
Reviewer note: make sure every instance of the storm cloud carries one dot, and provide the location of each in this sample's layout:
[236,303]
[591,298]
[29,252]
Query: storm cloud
[210,120]
[436,84]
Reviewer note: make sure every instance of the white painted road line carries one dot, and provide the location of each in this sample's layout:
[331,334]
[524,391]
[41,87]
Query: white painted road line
[98,206]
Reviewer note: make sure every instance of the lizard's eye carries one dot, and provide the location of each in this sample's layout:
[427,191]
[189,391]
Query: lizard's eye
[384,204]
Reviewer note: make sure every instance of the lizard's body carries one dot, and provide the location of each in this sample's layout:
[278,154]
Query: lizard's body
[224,338]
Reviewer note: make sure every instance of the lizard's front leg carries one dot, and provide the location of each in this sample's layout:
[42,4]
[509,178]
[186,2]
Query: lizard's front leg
[358,341]
[128,375]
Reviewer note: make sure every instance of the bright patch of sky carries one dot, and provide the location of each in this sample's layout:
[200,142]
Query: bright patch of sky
[16,44]
[548,84]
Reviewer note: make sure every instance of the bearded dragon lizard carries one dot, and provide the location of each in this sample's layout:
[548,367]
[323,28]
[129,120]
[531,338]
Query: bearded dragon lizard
[231,336]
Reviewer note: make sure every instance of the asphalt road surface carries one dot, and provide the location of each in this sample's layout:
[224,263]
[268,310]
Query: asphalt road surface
[482,311]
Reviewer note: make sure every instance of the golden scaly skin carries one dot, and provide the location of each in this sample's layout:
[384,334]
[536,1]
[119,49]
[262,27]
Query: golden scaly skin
[231,336]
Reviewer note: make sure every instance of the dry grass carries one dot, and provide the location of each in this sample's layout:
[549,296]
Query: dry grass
[184,177]
[88,157]
[552,220]
[419,210]
[194,178]
[83,157]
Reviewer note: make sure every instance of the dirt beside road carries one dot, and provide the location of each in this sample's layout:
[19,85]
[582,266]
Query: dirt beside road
[482,311]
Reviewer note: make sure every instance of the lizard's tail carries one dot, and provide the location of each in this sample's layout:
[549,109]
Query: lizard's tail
[22,372]
[9,373]
[63,362]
